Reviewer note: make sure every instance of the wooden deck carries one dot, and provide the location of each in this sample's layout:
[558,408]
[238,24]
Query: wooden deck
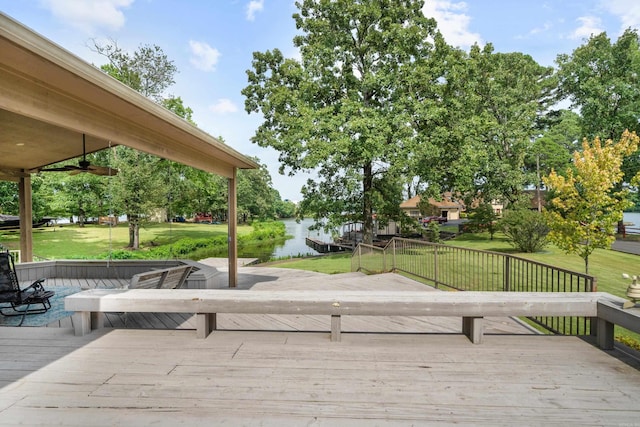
[161,377]
[281,376]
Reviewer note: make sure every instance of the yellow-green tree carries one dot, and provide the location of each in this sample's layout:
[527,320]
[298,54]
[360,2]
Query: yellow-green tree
[586,203]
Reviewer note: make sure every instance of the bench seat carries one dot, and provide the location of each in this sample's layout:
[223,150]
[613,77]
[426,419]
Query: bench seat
[470,306]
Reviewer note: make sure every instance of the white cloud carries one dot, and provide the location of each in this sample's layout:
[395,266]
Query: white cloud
[203,56]
[224,106]
[252,7]
[588,25]
[89,15]
[628,11]
[452,22]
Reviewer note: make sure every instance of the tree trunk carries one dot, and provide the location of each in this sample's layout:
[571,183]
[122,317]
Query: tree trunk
[586,264]
[134,232]
[367,212]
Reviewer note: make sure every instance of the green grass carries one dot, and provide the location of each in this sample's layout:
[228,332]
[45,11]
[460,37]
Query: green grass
[328,264]
[606,265]
[90,241]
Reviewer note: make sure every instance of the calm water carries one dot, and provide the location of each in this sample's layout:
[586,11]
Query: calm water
[633,217]
[296,245]
[293,247]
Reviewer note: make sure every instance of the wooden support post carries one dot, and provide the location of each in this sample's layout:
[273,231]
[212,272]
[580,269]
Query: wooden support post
[97,320]
[605,337]
[205,324]
[232,220]
[26,218]
[335,328]
[473,328]
[81,322]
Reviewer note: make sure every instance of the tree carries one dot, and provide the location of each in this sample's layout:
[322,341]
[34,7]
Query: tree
[150,72]
[483,218]
[256,197]
[139,188]
[602,80]
[553,149]
[525,229]
[507,94]
[341,111]
[584,207]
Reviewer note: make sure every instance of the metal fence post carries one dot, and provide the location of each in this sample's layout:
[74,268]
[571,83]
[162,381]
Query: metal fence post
[435,265]
[393,248]
[507,273]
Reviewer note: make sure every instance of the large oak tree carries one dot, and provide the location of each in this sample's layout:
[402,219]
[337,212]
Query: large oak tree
[346,109]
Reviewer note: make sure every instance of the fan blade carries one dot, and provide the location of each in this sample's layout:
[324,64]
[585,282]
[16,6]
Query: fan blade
[67,168]
[102,170]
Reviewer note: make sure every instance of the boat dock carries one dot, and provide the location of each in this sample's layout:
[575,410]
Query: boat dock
[324,247]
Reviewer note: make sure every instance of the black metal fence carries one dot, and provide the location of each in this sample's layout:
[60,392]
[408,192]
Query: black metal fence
[464,269]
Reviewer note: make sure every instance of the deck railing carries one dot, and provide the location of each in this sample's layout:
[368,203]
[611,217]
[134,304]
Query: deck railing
[464,269]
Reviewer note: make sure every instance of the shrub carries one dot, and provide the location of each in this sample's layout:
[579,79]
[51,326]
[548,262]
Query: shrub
[525,229]
[433,232]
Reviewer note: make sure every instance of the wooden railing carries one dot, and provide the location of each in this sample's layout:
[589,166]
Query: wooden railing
[464,269]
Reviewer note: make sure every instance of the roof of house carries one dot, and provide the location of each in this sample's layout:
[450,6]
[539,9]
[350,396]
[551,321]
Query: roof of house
[445,203]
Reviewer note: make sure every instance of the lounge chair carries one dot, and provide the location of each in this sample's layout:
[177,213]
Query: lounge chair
[19,302]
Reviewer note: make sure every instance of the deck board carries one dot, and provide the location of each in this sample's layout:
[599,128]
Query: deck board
[270,370]
[135,377]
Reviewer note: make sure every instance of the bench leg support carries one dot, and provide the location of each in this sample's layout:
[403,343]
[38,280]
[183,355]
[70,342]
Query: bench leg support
[605,336]
[81,322]
[97,320]
[473,328]
[335,328]
[205,324]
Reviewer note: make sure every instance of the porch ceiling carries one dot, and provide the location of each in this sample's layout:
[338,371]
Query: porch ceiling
[49,98]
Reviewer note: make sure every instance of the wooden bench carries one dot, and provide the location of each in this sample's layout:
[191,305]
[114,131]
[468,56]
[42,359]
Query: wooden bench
[165,278]
[611,313]
[470,306]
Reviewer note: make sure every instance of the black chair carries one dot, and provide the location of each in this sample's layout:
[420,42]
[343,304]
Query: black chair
[20,302]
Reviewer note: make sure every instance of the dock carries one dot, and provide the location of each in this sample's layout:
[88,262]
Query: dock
[324,247]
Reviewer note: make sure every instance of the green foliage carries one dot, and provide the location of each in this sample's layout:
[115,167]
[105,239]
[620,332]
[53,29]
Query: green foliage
[525,229]
[433,232]
[197,248]
[345,110]
[507,93]
[601,78]
[148,70]
[256,196]
[585,206]
[9,201]
[482,218]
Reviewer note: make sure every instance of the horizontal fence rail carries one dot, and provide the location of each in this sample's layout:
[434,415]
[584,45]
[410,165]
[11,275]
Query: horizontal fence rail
[464,269]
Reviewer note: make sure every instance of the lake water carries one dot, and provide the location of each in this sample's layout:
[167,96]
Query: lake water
[293,247]
[300,231]
[632,217]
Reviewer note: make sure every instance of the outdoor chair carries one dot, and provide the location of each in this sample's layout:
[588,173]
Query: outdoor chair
[19,302]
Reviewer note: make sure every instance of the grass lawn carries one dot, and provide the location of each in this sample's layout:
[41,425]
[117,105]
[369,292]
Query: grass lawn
[71,241]
[328,264]
[606,265]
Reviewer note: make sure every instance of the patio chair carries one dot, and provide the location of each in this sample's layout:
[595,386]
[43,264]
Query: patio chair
[14,301]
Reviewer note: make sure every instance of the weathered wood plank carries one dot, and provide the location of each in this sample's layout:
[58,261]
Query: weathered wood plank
[379,303]
[280,378]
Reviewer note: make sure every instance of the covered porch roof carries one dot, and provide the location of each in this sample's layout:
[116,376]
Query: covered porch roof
[49,98]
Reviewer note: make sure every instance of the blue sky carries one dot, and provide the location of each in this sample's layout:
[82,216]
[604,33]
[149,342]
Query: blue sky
[212,41]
